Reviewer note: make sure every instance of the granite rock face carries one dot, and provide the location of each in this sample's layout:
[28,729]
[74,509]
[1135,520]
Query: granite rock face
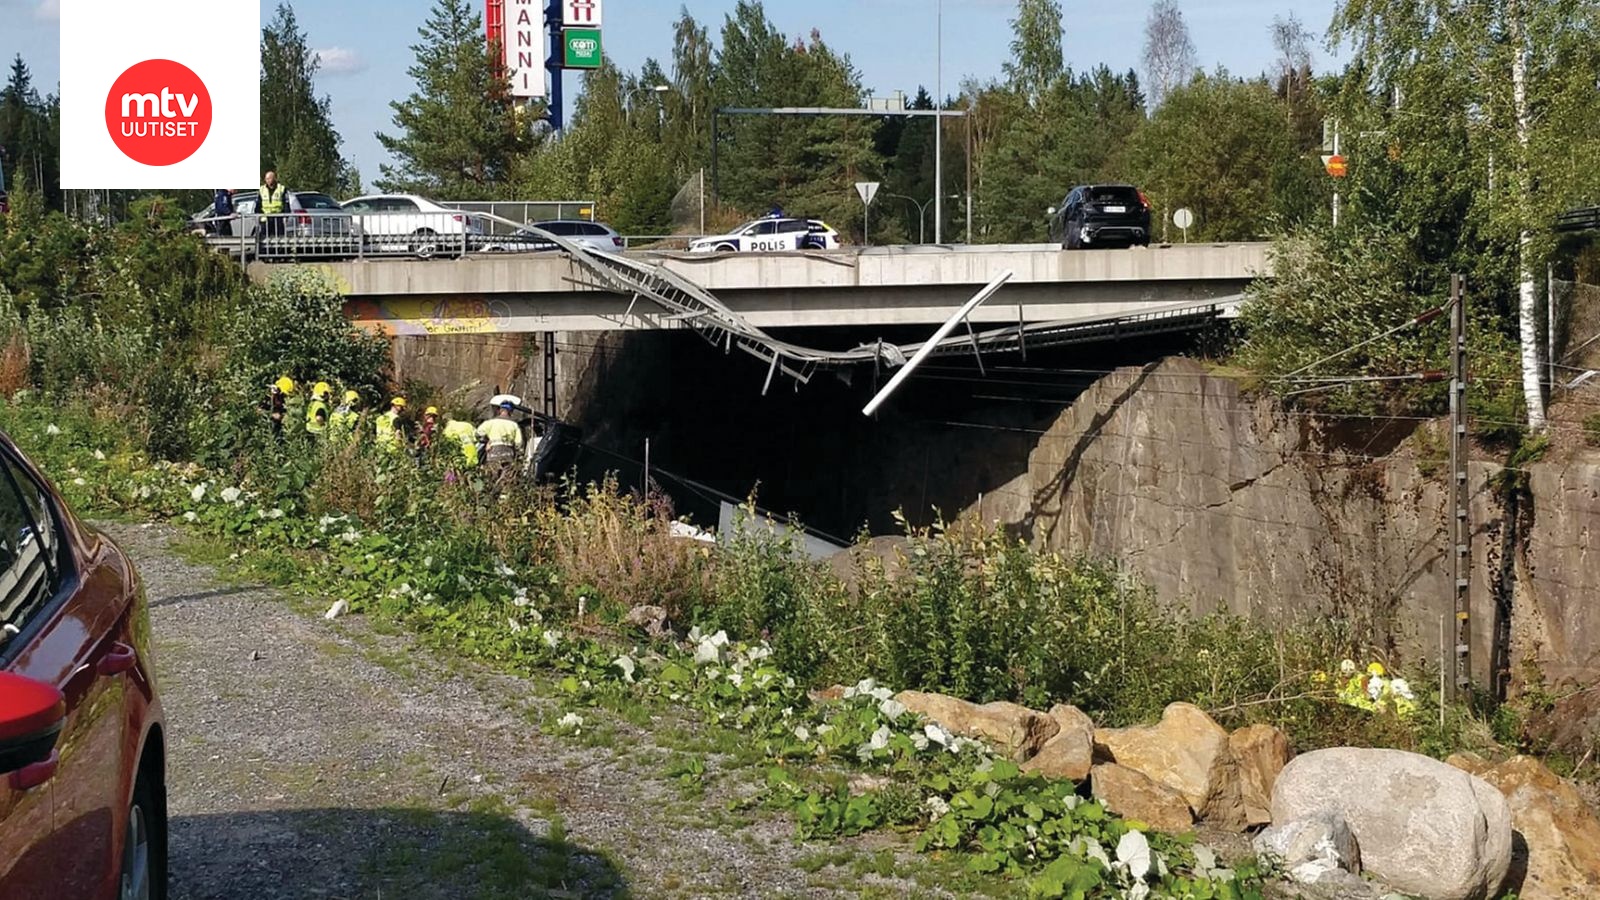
[1223,501]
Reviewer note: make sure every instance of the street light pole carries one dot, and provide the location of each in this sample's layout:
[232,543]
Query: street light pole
[938,129]
[660,90]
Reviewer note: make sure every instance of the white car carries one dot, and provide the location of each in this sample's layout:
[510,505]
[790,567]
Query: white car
[770,235]
[407,223]
[594,235]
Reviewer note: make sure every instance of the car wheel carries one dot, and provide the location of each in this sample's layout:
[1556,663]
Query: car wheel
[424,243]
[144,849]
[726,248]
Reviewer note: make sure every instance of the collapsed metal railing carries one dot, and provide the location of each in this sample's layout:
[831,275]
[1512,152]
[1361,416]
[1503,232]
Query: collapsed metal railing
[679,302]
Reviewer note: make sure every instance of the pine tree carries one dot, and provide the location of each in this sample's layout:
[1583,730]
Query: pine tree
[29,142]
[298,139]
[455,140]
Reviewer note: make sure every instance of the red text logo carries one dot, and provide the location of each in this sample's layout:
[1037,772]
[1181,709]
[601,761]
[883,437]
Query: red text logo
[158,112]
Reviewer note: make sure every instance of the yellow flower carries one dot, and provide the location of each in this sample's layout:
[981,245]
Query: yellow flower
[1375,669]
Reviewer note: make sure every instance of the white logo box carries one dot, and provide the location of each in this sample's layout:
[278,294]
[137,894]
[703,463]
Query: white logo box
[220,40]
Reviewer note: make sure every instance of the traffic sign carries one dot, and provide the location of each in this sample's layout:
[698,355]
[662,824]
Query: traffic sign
[1336,165]
[581,48]
[580,13]
[1183,218]
[867,190]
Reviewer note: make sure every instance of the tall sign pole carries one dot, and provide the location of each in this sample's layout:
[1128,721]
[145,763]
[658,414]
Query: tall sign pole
[938,130]
[553,62]
[1460,530]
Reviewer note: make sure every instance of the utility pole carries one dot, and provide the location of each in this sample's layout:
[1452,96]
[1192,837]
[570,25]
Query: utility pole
[554,63]
[938,130]
[1460,529]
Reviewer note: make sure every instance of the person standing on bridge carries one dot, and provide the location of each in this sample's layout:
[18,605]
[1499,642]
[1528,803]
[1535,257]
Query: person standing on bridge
[502,437]
[274,203]
[390,434]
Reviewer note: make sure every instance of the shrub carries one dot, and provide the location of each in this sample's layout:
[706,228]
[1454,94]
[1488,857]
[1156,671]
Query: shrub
[1591,430]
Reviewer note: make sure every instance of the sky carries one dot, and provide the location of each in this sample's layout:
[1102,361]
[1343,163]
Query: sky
[365,43]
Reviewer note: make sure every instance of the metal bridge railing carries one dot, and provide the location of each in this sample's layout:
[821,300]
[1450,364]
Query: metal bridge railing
[333,235]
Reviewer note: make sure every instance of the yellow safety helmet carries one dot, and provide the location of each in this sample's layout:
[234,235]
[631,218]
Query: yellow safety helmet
[352,396]
[431,411]
[398,401]
[321,389]
[1375,669]
[284,384]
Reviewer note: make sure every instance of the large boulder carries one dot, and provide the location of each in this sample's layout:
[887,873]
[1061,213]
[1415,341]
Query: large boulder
[1070,754]
[1133,795]
[1558,857]
[1424,827]
[1261,752]
[1015,731]
[1187,752]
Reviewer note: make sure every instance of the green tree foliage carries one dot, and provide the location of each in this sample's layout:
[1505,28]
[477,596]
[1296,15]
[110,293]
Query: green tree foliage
[457,138]
[1036,62]
[30,147]
[298,139]
[1227,150]
[1482,115]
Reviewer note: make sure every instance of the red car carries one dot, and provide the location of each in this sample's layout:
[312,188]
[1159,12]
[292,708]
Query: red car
[83,811]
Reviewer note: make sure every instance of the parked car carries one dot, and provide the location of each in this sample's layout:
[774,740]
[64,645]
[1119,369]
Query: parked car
[407,223]
[83,808]
[771,234]
[310,215]
[594,235]
[1095,215]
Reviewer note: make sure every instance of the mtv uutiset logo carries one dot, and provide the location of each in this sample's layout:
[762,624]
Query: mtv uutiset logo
[158,112]
[147,102]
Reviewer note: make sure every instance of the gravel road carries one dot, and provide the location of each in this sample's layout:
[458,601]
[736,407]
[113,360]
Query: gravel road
[311,759]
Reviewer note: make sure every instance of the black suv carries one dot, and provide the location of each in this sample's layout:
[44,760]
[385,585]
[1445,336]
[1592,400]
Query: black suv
[1098,215]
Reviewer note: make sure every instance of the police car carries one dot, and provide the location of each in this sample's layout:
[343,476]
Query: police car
[771,234]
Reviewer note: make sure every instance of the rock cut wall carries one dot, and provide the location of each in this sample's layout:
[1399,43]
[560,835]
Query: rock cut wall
[1224,502]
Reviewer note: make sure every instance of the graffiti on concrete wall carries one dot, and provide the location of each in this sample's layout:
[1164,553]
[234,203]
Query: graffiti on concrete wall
[411,316]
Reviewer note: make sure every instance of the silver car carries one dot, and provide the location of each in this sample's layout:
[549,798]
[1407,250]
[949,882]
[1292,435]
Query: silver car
[310,215]
[593,235]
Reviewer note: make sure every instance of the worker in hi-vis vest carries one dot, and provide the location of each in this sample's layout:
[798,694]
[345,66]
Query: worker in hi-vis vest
[502,437]
[274,204]
[389,432]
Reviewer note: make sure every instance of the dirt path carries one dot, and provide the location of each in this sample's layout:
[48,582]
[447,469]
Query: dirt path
[311,758]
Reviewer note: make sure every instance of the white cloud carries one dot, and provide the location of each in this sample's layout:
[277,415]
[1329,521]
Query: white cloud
[340,60]
[48,11]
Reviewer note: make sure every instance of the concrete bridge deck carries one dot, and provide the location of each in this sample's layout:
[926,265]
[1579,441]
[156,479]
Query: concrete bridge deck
[919,285]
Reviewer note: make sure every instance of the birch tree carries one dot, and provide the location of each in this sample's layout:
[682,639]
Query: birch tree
[1488,87]
[1169,59]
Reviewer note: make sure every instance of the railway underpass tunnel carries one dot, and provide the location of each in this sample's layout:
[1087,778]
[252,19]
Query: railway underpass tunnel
[950,434]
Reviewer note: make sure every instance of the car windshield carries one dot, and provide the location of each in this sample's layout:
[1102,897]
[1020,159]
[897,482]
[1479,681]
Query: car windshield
[1114,194]
[316,201]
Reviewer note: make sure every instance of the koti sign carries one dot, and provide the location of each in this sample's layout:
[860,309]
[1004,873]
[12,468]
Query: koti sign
[145,103]
[582,48]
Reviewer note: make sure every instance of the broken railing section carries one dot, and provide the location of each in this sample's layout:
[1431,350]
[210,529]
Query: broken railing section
[671,300]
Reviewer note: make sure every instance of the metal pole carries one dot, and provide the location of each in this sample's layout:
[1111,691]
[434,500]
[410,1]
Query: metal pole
[714,136]
[969,174]
[928,347]
[1460,530]
[550,374]
[552,18]
[938,131]
[644,491]
[1336,189]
